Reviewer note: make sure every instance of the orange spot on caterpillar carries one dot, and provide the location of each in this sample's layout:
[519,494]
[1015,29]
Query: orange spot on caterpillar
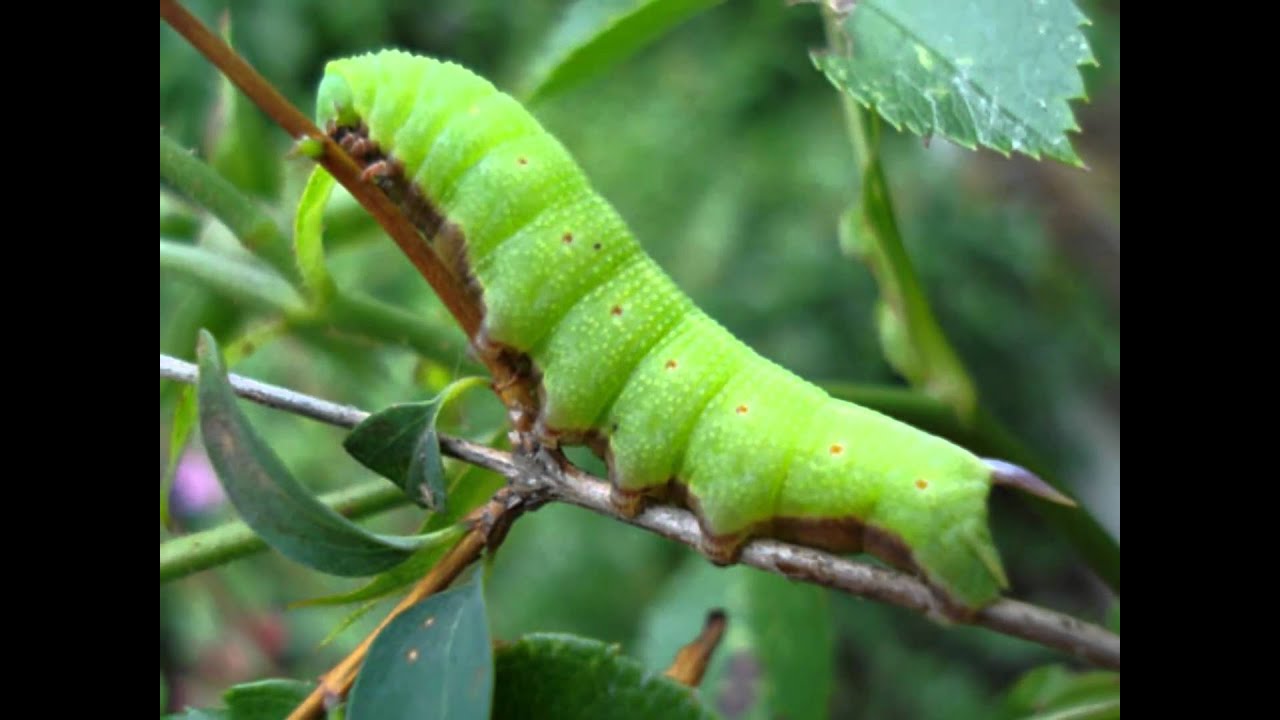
[837,449]
[413,655]
[922,483]
[523,161]
[741,410]
[596,246]
[616,310]
[671,364]
[568,238]
[429,622]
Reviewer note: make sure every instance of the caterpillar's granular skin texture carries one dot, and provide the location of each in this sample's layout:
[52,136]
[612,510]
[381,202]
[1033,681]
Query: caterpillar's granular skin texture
[624,362]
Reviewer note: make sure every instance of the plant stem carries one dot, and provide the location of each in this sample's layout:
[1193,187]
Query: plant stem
[246,220]
[231,278]
[362,315]
[192,553]
[930,363]
[352,313]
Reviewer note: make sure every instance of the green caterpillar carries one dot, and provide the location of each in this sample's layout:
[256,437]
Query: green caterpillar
[623,361]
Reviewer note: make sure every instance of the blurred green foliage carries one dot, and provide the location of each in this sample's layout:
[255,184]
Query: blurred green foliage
[726,152]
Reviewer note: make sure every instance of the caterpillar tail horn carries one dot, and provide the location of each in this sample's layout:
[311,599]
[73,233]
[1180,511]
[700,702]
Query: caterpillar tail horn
[1016,476]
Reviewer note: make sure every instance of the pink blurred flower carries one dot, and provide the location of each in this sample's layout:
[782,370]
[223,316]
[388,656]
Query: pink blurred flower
[195,484]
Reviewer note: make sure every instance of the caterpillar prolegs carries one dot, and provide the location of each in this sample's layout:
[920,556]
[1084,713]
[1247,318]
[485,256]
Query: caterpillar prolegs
[623,360]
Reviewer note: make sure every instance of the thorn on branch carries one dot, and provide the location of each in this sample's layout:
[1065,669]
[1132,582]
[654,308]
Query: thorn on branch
[692,660]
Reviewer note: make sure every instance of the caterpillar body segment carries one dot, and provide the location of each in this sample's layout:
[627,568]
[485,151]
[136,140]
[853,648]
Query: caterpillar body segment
[624,361]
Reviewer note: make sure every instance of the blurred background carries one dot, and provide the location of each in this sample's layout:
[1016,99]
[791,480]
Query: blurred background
[726,152]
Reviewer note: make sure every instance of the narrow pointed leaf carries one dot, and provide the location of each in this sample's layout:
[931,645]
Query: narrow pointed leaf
[308,235]
[406,573]
[240,146]
[234,279]
[469,488]
[265,699]
[271,501]
[596,34]
[184,413]
[249,222]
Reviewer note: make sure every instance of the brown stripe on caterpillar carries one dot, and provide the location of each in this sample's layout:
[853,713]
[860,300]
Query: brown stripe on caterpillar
[519,388]
[387,172]
[516,379]
[835,535]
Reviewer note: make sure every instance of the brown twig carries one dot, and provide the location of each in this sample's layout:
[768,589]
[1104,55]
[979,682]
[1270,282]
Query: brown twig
[692,659]
[1010,617]
[334,159]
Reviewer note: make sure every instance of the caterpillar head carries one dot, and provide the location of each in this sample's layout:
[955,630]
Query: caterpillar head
[335,99]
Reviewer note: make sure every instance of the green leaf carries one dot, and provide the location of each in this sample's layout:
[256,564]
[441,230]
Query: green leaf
[252,226]
[777,656]
[911,338]
[895,343]
[463,498]
[386,583]
[184,413]
[270,699]
[400,443]
[1055,693]
[198,551]
[433,661]
[239,140]
[989,72]
[234,279]
[347,621]
[265,699]
[596,34]
[273,503]
[568,677]
[396,444]
[308,235]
